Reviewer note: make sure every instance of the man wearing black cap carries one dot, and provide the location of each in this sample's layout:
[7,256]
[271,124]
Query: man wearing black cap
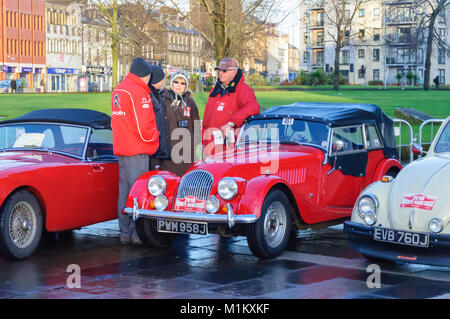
[135,137]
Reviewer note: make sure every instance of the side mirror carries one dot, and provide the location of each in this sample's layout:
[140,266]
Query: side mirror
[338,146]
[417,149]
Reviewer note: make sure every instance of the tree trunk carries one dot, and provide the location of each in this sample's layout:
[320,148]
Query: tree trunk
[427,75]
[115,45]
[337,52]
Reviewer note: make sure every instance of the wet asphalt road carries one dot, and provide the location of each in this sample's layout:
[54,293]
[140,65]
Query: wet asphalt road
[318,264]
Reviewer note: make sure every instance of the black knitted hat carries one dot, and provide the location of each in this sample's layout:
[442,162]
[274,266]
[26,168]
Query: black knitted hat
[140,67]
[157,74]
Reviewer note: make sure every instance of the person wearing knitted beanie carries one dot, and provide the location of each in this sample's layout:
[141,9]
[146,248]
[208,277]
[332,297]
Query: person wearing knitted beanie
[182,114]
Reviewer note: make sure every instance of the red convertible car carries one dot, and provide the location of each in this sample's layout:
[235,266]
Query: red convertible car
[57,172]
[291,166]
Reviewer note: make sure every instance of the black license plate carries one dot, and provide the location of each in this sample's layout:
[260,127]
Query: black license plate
[181,227]
[401,237]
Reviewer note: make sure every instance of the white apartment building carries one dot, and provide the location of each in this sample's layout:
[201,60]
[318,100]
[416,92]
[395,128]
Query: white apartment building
[277,52]
[63,49]
[381,40]
[96,55]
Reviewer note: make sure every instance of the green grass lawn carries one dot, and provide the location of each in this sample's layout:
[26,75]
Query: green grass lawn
[435,103]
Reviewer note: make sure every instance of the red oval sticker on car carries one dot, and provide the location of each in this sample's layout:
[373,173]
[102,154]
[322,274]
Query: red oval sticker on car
[190,203]
[418,201]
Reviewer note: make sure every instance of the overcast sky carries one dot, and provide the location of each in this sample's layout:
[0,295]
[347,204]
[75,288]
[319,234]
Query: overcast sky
[291,23]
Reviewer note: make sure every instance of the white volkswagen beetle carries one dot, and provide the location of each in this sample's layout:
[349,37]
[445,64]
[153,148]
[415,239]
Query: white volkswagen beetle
[407,219]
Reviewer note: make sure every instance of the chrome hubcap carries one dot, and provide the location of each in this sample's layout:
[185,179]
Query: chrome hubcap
[275,224]
[22,225]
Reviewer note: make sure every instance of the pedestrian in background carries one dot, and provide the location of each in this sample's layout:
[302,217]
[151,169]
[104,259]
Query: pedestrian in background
[436,81]
[13,86]
[135,137]
[181,113]
[229,104]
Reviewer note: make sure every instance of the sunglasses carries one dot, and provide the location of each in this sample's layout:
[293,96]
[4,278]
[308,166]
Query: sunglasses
[178,82]
[225,71]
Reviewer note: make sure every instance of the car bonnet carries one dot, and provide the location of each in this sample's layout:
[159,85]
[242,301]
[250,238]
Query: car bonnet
[421,188]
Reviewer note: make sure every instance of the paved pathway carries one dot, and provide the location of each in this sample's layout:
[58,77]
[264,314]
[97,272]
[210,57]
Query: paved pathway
[318,264]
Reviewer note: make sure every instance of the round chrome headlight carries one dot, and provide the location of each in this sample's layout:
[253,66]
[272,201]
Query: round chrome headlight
[227,188]
[436,225]
[367,203]
[161,202]
[370,218]
[156,185]
[212,205]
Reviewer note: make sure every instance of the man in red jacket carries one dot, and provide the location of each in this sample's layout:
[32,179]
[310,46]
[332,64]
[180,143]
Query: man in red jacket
[135,137]
[229,104]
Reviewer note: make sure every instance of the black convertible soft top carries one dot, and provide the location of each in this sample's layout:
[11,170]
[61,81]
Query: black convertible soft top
[86,117]
[338,114]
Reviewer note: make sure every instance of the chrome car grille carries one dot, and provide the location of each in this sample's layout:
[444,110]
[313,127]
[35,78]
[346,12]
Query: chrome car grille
[196,183]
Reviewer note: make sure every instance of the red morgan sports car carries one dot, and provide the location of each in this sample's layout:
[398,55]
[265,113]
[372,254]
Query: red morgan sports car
[57,172]
[291,166]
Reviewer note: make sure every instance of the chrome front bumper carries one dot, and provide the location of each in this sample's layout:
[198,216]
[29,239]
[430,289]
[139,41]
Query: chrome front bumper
[229,218]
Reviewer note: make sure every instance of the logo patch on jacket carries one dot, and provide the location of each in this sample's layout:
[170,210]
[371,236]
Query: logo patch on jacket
[187,111]
[221,106]
[116,101]
[146,102]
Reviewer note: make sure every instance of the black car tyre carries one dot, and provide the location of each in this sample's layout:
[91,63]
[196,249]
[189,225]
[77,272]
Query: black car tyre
[149,235]
[267,238]
[20,225]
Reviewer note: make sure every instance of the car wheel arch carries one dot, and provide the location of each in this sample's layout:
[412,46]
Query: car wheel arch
[260,185]
[296,214]
[384,167]
[35,193]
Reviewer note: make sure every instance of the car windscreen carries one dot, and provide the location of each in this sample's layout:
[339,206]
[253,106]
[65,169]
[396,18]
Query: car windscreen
[284,130]
[44,136]
[443,144]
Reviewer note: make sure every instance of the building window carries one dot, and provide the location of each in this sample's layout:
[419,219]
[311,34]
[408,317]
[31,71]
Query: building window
[376,74]
[376,34]
[361,53]
[345,57]
[362,72]
[306,57]
[376,55]
[441,56]
[362,12]
[361,33]
[441,76]
[376,13]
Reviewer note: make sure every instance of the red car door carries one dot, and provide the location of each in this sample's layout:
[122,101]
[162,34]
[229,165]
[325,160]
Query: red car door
[343,176]
[105,188]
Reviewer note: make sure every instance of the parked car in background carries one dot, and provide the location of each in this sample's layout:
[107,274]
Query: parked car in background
[292,166]
[406,219]
[57,172]
[5,86]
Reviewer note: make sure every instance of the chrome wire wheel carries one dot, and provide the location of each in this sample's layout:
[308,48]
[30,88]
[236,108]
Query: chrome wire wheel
[22,224]
[268,237]
[275,224]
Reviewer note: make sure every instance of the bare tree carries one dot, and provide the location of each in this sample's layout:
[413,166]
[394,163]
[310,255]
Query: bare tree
[429,12]
[340,15]
[229,25]
[125,25]
[110,13]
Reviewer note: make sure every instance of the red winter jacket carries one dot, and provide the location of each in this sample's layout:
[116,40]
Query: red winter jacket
[133,118]
[237,104]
